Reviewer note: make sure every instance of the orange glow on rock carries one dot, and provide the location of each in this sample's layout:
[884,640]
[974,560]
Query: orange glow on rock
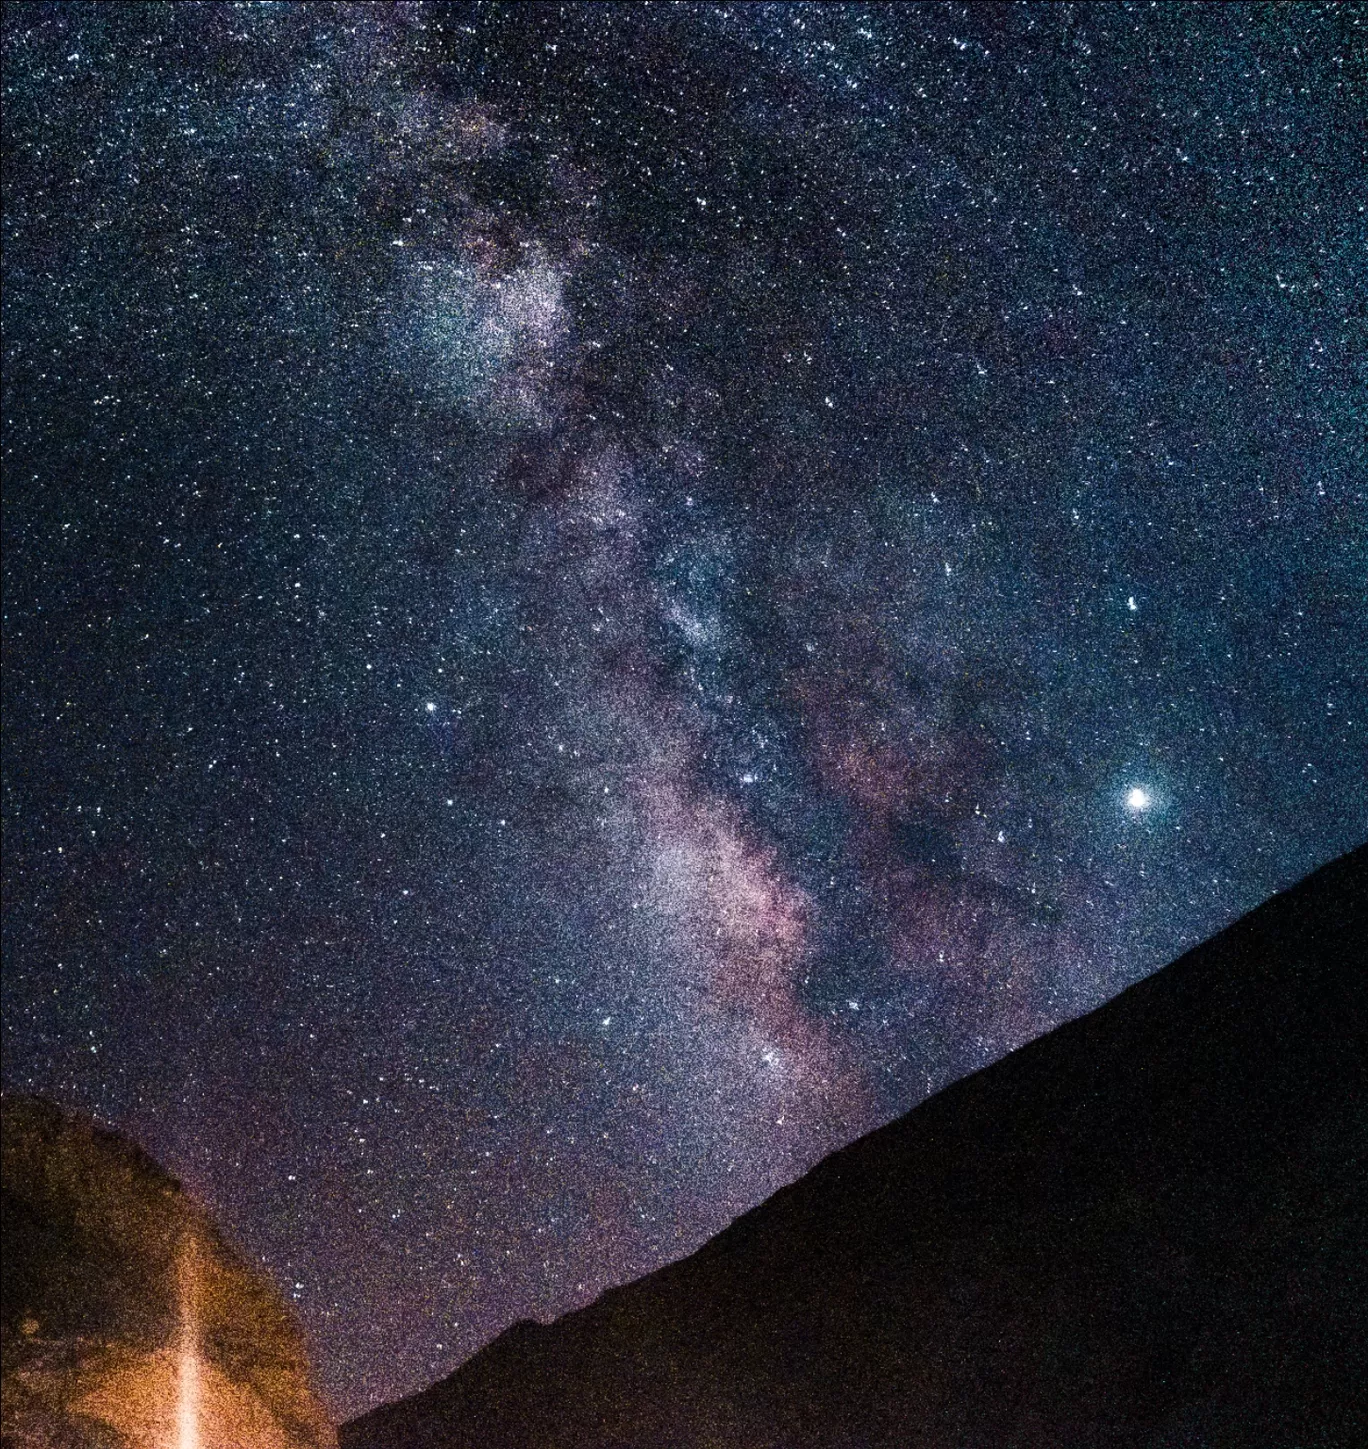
[188,1364]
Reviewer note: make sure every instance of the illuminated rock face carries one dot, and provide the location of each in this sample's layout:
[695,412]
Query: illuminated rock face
[128,1322]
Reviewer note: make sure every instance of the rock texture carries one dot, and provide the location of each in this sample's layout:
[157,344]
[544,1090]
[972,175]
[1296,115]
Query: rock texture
[1147,1228]
[128,1322]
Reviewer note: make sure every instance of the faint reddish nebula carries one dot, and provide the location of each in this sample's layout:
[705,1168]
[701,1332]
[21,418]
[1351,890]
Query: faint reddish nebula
[748,931]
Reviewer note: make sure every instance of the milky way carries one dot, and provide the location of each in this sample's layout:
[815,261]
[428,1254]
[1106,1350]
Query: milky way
[600,598]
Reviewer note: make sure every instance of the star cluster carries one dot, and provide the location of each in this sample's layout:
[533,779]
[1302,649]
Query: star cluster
[599,598]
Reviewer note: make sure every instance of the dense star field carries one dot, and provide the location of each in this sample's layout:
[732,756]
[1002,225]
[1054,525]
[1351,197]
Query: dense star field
[600,598]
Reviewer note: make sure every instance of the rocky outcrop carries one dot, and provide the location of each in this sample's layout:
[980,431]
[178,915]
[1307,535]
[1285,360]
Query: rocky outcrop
[128,1322]
[1147,1228]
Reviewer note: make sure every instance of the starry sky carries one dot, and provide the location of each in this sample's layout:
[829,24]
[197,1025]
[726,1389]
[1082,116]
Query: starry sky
[599,598]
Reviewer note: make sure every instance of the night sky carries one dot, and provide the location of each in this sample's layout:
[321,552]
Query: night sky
[598,599]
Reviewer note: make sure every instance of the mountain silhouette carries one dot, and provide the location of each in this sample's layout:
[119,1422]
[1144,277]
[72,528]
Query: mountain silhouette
[1145,1228]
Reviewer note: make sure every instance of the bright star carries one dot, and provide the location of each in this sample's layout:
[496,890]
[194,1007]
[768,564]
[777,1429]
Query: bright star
[1138,799]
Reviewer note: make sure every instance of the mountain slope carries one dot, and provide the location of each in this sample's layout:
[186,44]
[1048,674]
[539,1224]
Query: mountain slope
[1146,1228]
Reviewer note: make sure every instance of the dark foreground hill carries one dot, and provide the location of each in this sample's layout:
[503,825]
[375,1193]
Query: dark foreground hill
[1149,1227]
[128,1322]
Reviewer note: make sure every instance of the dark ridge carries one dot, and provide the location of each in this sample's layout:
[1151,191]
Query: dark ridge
[1146,1228]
